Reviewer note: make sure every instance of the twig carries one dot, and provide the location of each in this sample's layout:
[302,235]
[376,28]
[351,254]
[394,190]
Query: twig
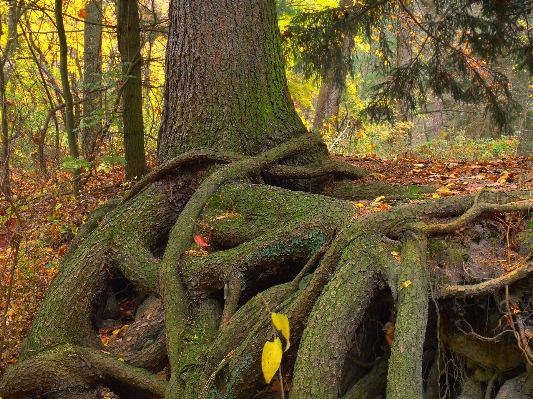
[481,337]
[213,375]
[523,344]
[490,385]
[486,287]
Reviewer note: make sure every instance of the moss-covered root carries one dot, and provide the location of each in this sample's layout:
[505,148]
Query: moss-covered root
[171,289]
[335,317]
[70,370]
[238,371]
[126,233]
[371,385]
[404,379]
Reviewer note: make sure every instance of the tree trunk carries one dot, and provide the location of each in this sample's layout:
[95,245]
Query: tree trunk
[92,78]
[67,95]
[225,80]
[331,89]
[129,45]
[14,13]
[404,55]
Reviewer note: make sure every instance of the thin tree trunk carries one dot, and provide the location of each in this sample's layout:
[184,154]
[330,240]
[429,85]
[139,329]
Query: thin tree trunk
[129,45]
[67,94]
[331,89]
[92,78]
[437,117]
[404,55]
[14,13]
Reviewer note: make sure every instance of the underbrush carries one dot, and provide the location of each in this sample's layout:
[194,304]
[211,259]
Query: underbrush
[393,142]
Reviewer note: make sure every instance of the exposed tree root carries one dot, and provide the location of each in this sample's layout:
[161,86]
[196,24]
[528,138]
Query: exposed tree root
[330,167]
[67,371]
[303,255]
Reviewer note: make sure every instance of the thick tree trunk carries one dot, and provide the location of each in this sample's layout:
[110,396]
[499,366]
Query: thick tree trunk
[129,45]
[92,78]
[225,80]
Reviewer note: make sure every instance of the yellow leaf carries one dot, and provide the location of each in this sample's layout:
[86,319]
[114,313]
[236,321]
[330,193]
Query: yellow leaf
[281,322]
[435,196]
[396,255]
[271,358]
[378,199]
[443,189]
[406,284]
[504,177]
[359,205]
[377,176]
[121,359]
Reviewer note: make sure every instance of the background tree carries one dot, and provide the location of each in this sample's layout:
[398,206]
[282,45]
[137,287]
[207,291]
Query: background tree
[14,13]
[92,78]
[129,44]
[329,96]
[67,95]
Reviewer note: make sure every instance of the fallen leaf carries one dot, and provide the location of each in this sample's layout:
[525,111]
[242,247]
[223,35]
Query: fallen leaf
[271,358]
[204,242]
[503,177]
[405,284]
[281,322]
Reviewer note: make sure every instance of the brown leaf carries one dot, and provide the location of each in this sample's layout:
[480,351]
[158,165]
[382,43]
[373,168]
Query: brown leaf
[204,242]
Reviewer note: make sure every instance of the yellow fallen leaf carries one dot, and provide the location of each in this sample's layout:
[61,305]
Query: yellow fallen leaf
[405,284]
[281,322]
[271,358]
[377,176]
[503,177]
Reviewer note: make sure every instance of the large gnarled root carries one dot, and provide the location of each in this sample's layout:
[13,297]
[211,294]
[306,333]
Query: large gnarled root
[68,371]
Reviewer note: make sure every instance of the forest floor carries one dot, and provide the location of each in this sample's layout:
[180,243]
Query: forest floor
[50,218]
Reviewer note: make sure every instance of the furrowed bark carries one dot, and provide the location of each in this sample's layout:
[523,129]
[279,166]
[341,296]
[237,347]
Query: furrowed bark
[404,380]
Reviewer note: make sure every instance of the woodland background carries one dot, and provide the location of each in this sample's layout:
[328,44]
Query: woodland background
[54,172]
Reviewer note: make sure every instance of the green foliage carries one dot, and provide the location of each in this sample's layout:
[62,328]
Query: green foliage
[70,164]
[455,44]
[391,141]
[461,147]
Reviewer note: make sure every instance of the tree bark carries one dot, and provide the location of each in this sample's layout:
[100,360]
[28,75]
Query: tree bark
[129,45]
[225,80]
[67,94]
[331,89]
[92,78]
